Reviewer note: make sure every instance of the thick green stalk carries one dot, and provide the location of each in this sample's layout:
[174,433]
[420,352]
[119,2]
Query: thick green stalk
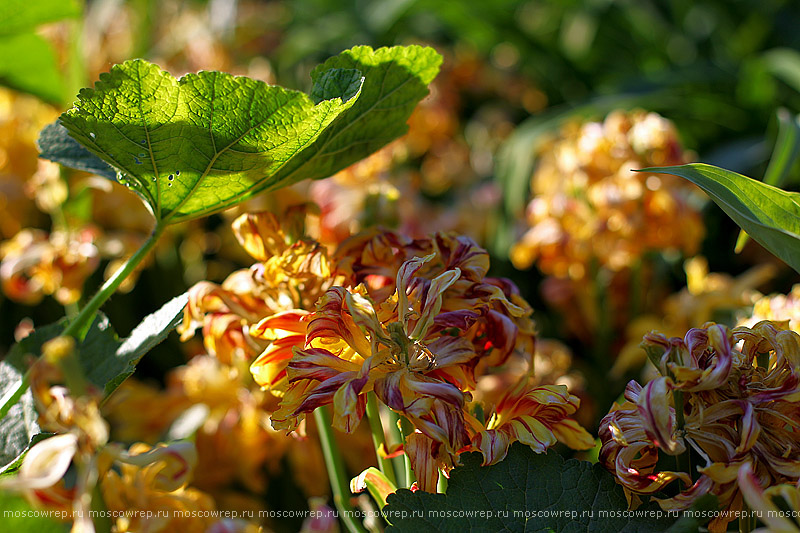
[336,473]
[401,463]
[77,328]
[378,438]
[745,519]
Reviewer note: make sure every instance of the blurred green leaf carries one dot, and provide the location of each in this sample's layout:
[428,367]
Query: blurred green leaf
[769,215]
[20,15]
[20,424]
[784,64]
[20,517]
[28,64]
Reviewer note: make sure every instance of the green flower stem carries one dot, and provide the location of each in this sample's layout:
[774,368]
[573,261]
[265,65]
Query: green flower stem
[77,328]
[401,464]
[441,484]
[683,460]
[13,395]
[336,473]
[378,438]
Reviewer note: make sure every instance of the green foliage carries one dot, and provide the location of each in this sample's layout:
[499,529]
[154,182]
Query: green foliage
[210,140]
[20,517]
[55,144]
[27,61]
[701,511]
[769,215]
[106,360]
[20,424]
[23,15]
[569,494]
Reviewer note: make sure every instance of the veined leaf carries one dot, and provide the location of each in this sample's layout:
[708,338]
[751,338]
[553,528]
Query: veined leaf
[769,215]
[524,492]
[205,142]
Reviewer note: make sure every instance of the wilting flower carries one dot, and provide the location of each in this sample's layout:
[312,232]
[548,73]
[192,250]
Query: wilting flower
[740,393]
[420,322]
[291,272]
[535,416]
[705,297]
[777,506]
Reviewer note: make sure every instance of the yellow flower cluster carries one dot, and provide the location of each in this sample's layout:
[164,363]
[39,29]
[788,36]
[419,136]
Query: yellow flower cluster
[589,207]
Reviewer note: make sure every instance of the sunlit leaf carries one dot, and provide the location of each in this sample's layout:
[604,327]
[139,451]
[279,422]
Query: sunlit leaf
[769,215]
[196,145]
[787,148]
[524,492]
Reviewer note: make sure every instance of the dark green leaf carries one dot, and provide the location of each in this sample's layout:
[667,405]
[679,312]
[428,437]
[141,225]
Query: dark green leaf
[55,144]
[20,424]
[769,215]
[108,361]
[525,492]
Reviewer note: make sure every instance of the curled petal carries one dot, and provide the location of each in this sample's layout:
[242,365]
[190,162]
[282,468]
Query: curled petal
[423,453]
[45,463]
[658,417]
[758,500]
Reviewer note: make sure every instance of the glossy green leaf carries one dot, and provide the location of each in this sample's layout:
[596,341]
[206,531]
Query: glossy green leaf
[769,215]
[524,492]
[205,142]
[784,155]
[17,16]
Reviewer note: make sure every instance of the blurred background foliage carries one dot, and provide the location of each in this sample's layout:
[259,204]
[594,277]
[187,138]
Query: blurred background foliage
[514,73]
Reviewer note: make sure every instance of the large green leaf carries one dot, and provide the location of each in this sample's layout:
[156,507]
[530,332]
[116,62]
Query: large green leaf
[525,492]
[196,145]
[769,215]
[108,361]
